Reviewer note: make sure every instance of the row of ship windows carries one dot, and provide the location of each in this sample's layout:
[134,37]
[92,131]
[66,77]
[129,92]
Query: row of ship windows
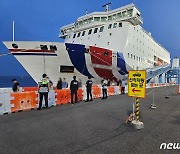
[138,58]
[115,25]
[152,41]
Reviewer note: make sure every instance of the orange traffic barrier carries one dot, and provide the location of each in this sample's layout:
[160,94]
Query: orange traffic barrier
[23,101]
[96,91]
[62,96]
[111,90]
[24,89]
[80,94]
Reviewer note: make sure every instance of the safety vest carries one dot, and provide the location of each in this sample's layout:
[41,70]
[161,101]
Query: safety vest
[43,85]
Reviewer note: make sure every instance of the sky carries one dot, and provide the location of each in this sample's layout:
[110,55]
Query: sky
[40,20]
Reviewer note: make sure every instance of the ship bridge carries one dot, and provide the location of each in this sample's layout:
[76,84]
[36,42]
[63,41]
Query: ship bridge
[127,13]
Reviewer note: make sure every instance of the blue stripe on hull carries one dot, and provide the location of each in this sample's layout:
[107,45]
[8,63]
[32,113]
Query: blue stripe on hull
[77,55]
[121,64]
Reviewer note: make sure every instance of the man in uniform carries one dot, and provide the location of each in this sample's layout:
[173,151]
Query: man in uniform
[74,89]
[104,88]
[43,88]
[89,89]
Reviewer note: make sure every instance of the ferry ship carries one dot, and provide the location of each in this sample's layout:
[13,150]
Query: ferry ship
[100,45]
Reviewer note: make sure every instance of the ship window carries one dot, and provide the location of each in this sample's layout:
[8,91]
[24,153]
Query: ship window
[74,35]
[115,25]
[90,20]
[53,47]
[96,18]
[109,18]
[134,57]
[44,47]
[103,18]
[119,15]
[14,45]
[101,29]
[83,33]
[90,31]
[79,34]
[66,69]
[110,25]
[95,30]
[129,12]
[131,56]
[128,55]
[114,16]
[120,24]
[124,13]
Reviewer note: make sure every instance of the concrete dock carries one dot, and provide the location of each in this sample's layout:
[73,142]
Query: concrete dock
[95,127]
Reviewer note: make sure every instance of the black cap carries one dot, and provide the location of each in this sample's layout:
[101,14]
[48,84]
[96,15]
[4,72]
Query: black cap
[44,75]
[74,77]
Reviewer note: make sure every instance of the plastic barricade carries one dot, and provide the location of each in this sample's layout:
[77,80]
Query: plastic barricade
[80,94]
[5,106]
[116,90]
[23,101]
[110,91]
[62,96]
[25,89]
[96,92]
[51,99]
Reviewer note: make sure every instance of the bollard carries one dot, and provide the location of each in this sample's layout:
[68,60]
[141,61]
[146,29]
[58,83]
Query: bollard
[137,108]
[136,123]
[153,106]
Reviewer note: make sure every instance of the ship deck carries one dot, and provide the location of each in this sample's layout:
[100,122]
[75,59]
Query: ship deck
[94,127]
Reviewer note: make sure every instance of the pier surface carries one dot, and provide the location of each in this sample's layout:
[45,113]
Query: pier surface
[94,127]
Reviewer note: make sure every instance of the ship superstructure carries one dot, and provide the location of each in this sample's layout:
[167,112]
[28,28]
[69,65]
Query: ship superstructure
[118,30]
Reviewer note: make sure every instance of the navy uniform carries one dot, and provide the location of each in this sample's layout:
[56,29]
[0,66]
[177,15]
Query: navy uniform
[89,89]
[43,87]
[74,89]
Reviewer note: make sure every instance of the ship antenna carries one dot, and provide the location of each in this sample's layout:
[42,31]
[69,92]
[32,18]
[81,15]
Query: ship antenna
[107,6]
[13,31]
[86,12]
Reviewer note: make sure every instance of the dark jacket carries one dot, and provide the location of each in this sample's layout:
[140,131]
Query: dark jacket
[74,85]
[59,85]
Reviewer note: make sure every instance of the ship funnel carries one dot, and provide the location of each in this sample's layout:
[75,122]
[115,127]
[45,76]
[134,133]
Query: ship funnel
[107,6]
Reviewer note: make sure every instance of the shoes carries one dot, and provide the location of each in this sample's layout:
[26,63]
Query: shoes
[91,100]
[86,100]
[39,108]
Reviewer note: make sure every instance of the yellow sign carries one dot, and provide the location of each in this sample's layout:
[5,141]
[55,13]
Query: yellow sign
[137,83]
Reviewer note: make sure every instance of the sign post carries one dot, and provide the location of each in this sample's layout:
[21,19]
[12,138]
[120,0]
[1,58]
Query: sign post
[137,89]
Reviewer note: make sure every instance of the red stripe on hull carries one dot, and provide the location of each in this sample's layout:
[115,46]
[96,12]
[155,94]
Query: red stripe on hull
[103,73]
[102,57]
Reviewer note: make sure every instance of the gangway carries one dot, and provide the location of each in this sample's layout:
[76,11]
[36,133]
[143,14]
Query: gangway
[156,71]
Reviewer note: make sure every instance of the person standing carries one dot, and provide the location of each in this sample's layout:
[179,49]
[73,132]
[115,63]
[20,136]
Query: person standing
[89,89]
[104,89]
[59,84]
[79,83]
[74,89]
[15,87]
[43,88]
[123,84]
[64,83]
